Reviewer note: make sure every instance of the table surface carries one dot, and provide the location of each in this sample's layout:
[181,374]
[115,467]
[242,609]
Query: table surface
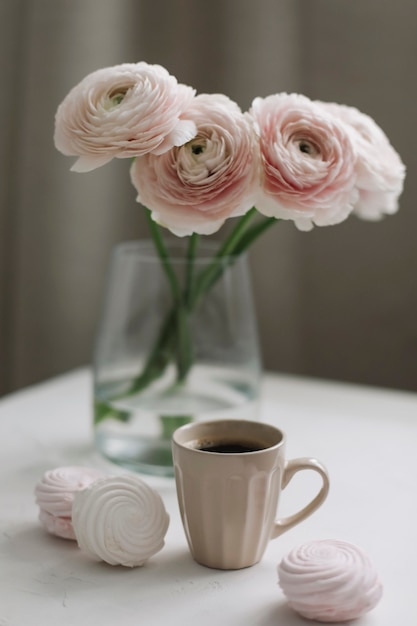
[365,436]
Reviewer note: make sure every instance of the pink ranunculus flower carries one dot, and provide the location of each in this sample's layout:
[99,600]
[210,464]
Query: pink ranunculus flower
[123,111]
[380,171]
[195,187]
[308,162]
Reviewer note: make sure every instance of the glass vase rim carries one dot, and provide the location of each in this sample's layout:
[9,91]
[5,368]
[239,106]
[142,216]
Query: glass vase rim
[144,248]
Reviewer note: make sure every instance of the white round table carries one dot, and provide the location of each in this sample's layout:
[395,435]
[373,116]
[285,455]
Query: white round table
[365,436]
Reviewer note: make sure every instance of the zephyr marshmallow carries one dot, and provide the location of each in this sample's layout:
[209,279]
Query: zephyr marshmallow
[329,581]
[120,520]
[55,494]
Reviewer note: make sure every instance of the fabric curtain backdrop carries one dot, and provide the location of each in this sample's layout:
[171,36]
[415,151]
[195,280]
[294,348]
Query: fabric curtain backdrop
[339,302]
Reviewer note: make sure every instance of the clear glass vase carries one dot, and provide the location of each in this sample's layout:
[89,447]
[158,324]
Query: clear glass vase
[165,356]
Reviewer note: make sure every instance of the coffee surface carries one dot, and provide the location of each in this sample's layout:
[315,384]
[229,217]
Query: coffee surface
[229,447]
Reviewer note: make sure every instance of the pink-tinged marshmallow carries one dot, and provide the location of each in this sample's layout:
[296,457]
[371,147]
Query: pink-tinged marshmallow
[55,494]
[329,581]
[59,526]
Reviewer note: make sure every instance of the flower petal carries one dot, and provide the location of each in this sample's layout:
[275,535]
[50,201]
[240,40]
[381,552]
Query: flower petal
[196,186]
[307,159]
[122,111]
[89,163]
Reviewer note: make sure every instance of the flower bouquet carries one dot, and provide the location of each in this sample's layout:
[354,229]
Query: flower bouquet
[198,160]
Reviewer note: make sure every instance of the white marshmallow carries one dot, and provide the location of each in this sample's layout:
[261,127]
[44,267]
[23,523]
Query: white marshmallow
[120,520]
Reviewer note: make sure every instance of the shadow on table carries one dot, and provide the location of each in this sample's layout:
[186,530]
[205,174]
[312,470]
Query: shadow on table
[279,613]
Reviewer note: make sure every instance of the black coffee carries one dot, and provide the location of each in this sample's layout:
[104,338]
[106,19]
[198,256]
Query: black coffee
[229,447]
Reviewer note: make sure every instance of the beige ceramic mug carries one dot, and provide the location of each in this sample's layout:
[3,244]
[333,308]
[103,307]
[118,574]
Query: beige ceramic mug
[229,475]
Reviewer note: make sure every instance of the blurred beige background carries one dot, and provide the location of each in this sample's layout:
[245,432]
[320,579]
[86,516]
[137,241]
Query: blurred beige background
[339,302]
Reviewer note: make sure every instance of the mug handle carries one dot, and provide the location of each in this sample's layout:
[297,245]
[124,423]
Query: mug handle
[290,469]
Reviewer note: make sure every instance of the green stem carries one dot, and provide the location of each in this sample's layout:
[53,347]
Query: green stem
[159,357]
[177,320]
[185,347]
[236,234]
[254,233]
[240,238]
[238,241]
[191,254]
[163,255]
[226,251]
